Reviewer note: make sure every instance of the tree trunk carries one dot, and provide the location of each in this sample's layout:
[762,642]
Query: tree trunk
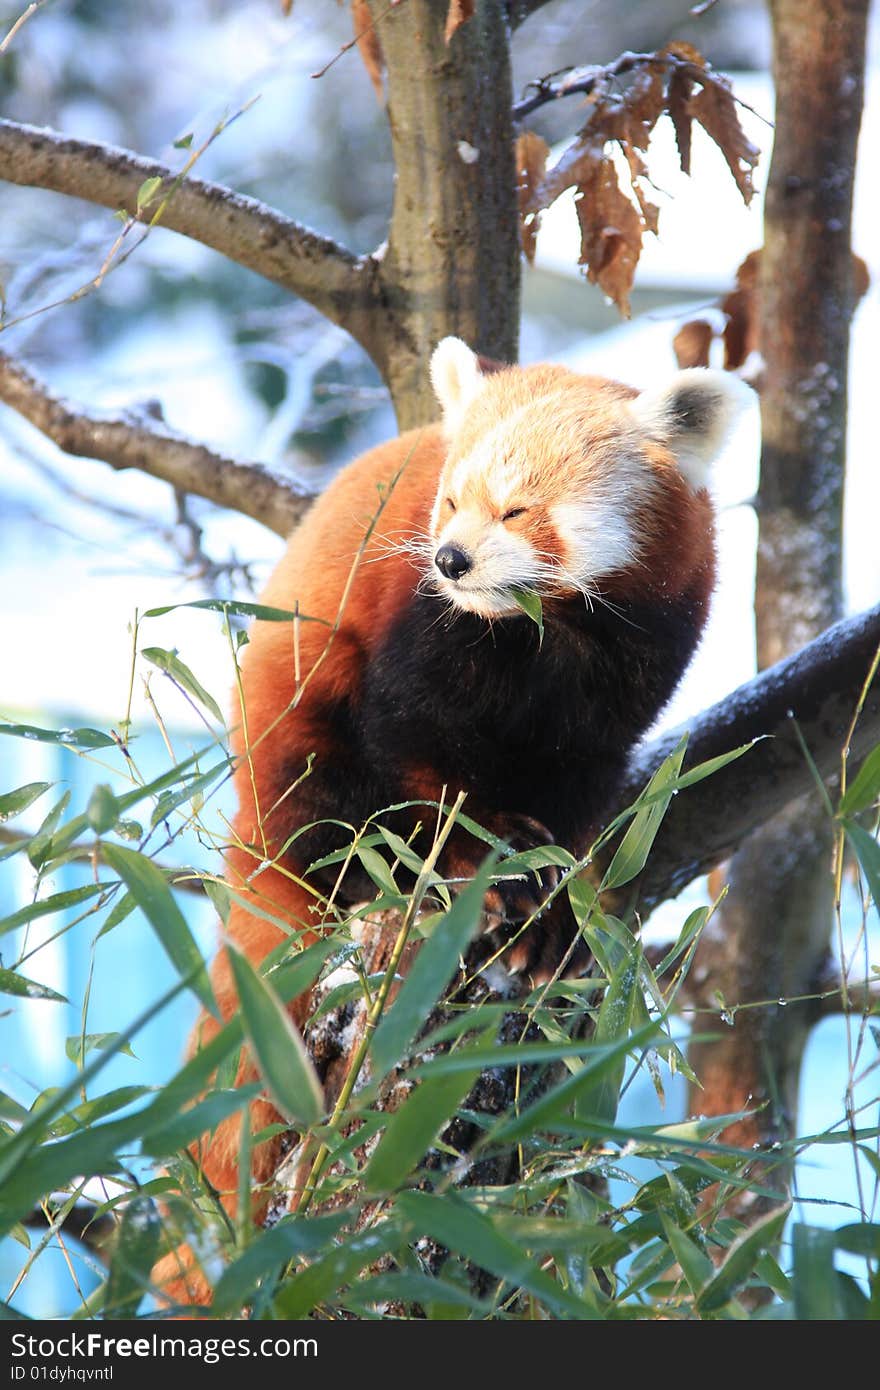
[452,263]
[772,937]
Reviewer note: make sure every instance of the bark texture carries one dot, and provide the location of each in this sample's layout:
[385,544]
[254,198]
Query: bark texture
[453,258]
[771,938]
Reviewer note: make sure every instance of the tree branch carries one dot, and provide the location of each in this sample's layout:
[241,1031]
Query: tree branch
[584,80]
[815,692]
[132,440]
[338,284]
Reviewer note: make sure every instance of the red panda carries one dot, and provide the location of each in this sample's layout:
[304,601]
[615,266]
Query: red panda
[425,674]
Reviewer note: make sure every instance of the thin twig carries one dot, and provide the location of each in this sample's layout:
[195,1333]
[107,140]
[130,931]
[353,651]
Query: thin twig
[584,80]
[22,20]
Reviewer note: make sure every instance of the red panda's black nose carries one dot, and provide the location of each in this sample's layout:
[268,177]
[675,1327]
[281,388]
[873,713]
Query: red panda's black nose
[452,562]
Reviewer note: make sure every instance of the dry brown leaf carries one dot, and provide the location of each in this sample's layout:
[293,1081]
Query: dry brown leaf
[630,121]
[612,219]
[714,107]
[369,46]
[459,12]
[286,6]
[611,233]
[740,310]
[531,162]
[861,278]
[632,117]
[678,94]
[692,343]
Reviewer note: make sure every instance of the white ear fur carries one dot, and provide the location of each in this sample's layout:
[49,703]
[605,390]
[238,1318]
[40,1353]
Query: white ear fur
[456,378]
[694,414]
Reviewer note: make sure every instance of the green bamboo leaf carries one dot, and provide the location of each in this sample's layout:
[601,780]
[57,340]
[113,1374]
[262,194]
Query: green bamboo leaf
[739,1263]
[89,1111]
[38,1125]
[530,604]
[482,1056]
[529,860]
[79,1046]
[599,1099]
[51,1167]
[556,1103]
[148,887]
[868,852]
[46,842]
[190,786]
[816,1291]
[278,1048]
[239,610]
[768,1269]
[459,1226]
[633,850]
[134,1254]
[429,974]
[552,1235]
[414,1126]
[266,1257]
[859,1238]
[20,1233]
[326,1277]
[157,1187]
[147,192]
[56,902]
[102,812]
[379,871]
[693,926]
[713,765]
[12,803]
[178,1132]
[171,664]
[218,894]
[58,841]
[71,738]
[289,980]
[122,908]
[864,789]
[402,851]
[10,983]
[440,1299]
[696,1266]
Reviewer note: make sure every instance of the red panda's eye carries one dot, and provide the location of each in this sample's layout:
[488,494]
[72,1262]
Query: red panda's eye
[514,512]
[450,504]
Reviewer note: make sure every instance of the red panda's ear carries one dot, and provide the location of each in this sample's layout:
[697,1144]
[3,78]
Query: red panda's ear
[456,378]
[693,415]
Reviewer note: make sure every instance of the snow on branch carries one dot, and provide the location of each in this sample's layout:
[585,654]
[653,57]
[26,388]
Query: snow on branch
[134,439]
[812,694]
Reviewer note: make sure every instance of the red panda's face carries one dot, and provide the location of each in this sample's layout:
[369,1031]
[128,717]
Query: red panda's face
[550,478]
[510,515]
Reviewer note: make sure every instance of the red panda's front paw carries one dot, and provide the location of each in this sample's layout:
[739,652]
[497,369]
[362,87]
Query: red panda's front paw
[520,891]
[547,946]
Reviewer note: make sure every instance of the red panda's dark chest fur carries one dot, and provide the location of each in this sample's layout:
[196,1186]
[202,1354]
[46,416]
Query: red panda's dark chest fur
[526,727]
